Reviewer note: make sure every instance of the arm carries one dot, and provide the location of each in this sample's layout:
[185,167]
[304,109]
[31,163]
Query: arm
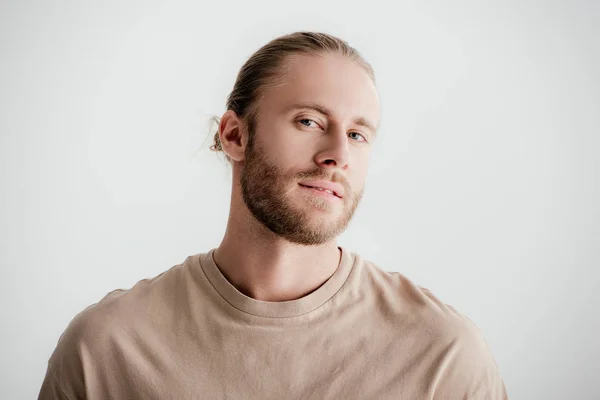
[51,389]
[467,369]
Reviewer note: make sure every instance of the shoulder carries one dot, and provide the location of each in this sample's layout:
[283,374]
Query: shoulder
[460,363]
[95,334]
[404,297]
[122,307]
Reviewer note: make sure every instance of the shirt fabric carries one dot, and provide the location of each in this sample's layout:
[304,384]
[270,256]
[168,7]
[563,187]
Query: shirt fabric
[188,333]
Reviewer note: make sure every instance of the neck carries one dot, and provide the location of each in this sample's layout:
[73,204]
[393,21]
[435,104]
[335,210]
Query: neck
[268,268]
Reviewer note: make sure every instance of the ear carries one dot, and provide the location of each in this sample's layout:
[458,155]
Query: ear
[232,134]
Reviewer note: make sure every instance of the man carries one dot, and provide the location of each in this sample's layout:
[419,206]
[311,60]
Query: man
[279,310]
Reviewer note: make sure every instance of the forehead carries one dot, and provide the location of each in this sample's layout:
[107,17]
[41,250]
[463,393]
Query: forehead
[332,80]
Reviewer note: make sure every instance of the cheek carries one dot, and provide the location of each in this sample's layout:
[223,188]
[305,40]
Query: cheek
[360,171]
[289,150]
[357,184]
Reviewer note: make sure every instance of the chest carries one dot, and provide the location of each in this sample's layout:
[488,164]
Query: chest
[223,361]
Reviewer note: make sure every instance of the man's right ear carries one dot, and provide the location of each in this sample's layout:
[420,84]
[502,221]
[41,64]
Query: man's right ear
[232,135]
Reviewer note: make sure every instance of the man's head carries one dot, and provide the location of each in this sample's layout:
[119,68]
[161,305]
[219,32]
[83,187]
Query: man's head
[304,109]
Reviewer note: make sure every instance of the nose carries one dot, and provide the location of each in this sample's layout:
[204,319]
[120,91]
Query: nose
[335,152]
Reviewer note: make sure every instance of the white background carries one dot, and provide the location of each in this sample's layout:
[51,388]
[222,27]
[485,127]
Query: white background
[484,185]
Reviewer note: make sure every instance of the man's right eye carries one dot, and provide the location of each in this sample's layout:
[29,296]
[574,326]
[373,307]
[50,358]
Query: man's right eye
[306,121]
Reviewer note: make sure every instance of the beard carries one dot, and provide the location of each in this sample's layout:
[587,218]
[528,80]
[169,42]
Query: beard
[266,191]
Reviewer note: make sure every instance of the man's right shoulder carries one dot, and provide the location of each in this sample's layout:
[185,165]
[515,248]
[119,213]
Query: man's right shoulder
[121,308]
[97,334]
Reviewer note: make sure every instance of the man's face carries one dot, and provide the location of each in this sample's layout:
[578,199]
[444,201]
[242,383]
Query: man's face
[294,143]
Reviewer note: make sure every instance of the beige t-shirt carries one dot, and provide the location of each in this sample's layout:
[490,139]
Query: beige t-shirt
[189,334]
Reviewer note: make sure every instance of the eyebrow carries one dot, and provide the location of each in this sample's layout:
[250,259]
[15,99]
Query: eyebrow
[326,111]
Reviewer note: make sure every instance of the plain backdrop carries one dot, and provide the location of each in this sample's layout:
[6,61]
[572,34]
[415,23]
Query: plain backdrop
[483,187]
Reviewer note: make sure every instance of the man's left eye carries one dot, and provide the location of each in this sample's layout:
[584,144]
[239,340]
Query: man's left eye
[356,133]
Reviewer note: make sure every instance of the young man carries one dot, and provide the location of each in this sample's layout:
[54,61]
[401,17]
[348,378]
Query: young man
[279,310]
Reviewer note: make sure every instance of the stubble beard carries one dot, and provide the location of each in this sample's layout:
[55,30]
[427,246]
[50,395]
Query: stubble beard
[265,189]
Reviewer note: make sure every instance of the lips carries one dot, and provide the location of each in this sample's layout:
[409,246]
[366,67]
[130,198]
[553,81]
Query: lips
[336,188]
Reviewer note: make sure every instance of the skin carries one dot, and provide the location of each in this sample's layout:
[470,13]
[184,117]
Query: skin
[280,242]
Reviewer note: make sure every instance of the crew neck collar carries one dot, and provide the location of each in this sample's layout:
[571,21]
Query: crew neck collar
[277,309]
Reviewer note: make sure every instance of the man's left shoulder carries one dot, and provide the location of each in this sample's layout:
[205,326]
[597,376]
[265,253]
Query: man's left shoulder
[461,364]
[466,365]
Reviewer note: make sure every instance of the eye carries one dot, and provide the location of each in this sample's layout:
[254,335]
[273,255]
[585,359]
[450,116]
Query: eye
[364,139]
[307,121]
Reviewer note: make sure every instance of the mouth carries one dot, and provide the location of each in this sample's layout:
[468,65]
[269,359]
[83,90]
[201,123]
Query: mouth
[321,192]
